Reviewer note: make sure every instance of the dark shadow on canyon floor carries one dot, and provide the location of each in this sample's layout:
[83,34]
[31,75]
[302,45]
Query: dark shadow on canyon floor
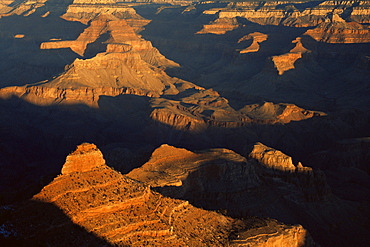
[39,224]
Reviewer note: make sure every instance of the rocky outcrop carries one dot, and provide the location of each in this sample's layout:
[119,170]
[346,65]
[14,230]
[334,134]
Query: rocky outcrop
[85,11]
[24,8]
[92,33]
[269,112]
[312,183]
[177,119]
[220,26]
[129,60]
[297,14]
[46,96]
[286,61]
[263,15]
[205,109]
[340,32]
[125,69]
[220,170]
[257,38]
[123,37]
[120,211]
[267,183]
[274,237]
[219,175]
[360,12]
[4,7]
[271,158]
[85,158]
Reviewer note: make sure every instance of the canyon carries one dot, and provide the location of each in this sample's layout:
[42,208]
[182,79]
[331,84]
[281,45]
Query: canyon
[192,123]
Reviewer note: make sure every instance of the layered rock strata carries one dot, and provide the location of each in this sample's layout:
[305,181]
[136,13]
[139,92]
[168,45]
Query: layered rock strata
[340,32]
[225,174]
[267,183]
[24,8]
[220,168]
[117,69]
[120,211]
[297,14]
[123,36]
[44,96]
[195,112]
[196,118]
[220,26]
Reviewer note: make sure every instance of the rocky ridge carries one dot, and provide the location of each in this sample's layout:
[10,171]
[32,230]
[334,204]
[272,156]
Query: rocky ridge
[123,27]
[267,183]
[121,212]
[297,13]
[220,26]
[45,96]
[24,8]
[286,61]
[340,32]
[129,60]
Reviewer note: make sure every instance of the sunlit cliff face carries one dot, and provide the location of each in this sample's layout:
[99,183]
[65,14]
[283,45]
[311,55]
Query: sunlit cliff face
[121,211]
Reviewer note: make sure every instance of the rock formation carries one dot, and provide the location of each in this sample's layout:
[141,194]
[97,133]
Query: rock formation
[277,113]
[129,60]
[340,32]
[220,26]
[286,61]
[360,12]
[220,169]
[25,8]
[267,183]
[47,96]
[297,14]
[257,38]
[117,70]
[123,37]
[122,212]
[223,173]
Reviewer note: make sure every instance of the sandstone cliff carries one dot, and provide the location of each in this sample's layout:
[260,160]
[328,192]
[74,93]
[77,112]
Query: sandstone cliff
[297,14]
[277,113]
[121,212]
[129,60]
[46,96]
[85,11]
[125,69]
[267,183]
[340,32]
[219,170]
[220,26]
[123,35]
[25,8]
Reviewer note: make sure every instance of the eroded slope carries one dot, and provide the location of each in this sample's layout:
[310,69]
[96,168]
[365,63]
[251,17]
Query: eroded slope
[124,212]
